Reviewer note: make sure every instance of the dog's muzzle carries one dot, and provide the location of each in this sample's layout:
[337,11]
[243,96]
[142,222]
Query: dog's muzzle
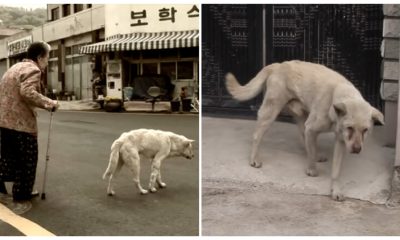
[189,157]
[356,149]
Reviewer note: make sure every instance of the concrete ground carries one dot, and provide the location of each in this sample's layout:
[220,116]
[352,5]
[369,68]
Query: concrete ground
[279,199]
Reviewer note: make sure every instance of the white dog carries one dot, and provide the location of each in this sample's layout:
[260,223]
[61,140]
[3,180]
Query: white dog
[320,100]
[153,144]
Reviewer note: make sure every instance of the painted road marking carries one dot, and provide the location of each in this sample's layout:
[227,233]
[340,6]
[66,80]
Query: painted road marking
[23,225]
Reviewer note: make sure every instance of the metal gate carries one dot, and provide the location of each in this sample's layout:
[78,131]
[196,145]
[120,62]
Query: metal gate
[231,42]
[346,38]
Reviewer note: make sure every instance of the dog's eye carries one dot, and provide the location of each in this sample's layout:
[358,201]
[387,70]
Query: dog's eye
[350,130]
[364,130]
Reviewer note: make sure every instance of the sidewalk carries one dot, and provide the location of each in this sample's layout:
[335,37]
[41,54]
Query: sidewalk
[279,198]
[129,106]
[86,104]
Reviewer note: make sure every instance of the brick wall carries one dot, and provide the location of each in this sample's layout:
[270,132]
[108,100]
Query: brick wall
[390,68]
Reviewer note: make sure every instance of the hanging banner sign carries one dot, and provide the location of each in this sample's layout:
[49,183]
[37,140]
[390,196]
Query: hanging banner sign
[19,46]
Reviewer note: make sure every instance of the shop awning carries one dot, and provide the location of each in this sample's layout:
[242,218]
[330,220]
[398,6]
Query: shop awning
[144,41]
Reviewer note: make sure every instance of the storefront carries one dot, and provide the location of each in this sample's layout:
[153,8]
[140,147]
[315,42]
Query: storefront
[149,40]
[16,49]
[69,28]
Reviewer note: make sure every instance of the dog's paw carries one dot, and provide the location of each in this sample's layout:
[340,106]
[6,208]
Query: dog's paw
[337,196]
[162,185]
[256,164]
[322,159]
[312,172]
[336,192]
[153,190]
[111,193]
[144,192]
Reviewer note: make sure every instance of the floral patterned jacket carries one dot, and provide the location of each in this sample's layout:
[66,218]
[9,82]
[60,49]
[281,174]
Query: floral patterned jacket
[21,91]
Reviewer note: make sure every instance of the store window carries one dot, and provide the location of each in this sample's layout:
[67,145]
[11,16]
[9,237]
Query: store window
[169,53]
[52,66]
[185,70]
[53,53]
[189,52]
[150,54]
[78,8]
[68,50]
[149,68]
[55,14]
[75,49]
[169,69]
[66,9]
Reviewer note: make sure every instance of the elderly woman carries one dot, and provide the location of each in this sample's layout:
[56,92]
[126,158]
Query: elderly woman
[21,90]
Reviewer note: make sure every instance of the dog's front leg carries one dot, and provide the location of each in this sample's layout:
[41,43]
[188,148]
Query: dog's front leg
[159,180]
[336,164]
[311,147]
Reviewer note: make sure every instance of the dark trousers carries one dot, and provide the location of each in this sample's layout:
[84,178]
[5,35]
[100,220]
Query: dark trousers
[3,188]
[19,156]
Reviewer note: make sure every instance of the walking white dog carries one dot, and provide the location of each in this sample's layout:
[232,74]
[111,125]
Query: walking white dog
[156,145]
[320,100]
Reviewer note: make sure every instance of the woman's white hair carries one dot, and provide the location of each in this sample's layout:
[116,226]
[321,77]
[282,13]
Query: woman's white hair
[47,45]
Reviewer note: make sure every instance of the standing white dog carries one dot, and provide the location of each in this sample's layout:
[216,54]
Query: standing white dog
[320,100]
[153,144]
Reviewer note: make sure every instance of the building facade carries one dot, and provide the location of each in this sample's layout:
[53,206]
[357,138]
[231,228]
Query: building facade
[149,40]
[68,27]
[90,40]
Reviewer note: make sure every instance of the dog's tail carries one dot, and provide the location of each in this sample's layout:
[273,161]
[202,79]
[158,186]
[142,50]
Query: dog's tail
[252,88]
[114,158]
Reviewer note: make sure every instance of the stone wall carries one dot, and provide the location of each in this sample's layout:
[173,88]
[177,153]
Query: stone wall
[390,68]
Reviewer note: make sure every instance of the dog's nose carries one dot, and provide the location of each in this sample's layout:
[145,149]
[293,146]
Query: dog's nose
[356,149]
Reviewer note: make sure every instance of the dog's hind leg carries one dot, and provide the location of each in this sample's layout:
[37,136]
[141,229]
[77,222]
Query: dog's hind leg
[132,161]
[113,174]
[273,103]
[300,116]
[110,190]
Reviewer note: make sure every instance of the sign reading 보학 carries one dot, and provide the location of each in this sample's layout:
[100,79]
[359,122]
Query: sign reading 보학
[164,14]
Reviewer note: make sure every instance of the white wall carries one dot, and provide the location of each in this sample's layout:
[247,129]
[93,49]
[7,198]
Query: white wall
[85,38]
[3,48]
[85,21]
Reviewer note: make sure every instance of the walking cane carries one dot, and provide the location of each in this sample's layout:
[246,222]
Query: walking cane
[43,196]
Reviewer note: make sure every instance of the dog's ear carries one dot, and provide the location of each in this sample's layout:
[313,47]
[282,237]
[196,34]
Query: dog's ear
[340,109]
[188,142]
[377,116]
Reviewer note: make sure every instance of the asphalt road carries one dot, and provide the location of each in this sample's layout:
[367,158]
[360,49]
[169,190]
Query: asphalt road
[76,201]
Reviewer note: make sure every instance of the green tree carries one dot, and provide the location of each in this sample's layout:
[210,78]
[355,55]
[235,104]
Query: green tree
[12,16]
